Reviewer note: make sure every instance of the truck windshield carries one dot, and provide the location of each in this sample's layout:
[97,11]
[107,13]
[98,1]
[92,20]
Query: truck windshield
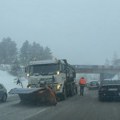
[44,69]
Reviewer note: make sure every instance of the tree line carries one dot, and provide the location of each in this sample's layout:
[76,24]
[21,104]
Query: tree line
[10,54]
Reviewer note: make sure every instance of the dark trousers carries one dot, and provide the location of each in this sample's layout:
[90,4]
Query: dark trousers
[82,90]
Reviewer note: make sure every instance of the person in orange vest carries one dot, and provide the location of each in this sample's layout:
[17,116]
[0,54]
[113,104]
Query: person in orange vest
[82,83]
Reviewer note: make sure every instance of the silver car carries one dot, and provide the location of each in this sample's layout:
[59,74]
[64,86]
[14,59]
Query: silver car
[3,93]
[93,85]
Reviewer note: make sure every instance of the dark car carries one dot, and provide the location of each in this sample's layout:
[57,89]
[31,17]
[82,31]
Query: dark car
[109,90]
[93,85]
[3,93]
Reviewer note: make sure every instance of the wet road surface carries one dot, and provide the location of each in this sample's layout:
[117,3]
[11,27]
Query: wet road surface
[86,107]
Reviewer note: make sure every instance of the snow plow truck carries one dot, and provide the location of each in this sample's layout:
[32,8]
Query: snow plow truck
[48,82]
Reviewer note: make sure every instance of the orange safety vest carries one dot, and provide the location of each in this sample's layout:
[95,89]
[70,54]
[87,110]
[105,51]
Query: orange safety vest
[82,81]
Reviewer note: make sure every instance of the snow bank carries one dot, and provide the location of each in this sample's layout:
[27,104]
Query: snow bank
[9,81]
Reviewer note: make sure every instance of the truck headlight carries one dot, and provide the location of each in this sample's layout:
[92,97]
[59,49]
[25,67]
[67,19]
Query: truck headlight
[59,86]
[28,74]
[58,72]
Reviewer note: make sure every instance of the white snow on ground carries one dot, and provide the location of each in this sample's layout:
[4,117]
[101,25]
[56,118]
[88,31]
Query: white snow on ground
[9,81]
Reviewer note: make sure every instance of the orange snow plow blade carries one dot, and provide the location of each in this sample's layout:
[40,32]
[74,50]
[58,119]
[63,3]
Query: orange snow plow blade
[35,95]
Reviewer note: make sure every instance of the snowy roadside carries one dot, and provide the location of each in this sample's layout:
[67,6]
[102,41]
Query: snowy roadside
[9,81]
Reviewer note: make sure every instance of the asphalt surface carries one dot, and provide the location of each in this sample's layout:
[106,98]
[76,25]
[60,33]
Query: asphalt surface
[14,110]
[86,107]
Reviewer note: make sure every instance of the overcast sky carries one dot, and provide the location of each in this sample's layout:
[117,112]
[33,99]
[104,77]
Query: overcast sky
[82,31]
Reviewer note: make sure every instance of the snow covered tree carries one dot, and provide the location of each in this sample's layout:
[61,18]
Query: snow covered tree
[47,53]
[8,51]
[25,53]
[15,68]
[32,52]
[36,51]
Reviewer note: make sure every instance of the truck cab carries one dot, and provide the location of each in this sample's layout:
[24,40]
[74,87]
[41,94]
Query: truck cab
[57,74]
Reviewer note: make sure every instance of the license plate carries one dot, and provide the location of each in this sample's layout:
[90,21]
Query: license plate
[112,89]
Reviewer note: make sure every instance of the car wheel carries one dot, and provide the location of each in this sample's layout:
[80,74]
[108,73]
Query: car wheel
[4,98]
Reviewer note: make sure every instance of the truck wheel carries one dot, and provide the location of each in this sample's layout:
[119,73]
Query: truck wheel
[76,91]
[72,92]
[64,94]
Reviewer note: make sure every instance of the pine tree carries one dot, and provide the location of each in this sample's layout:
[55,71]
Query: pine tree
[8,51]
[25,53]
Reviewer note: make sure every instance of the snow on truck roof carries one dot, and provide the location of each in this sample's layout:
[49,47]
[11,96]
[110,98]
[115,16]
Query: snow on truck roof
[43,62]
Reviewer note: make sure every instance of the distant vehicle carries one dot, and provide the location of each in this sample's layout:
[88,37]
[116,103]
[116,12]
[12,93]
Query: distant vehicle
[109,90]
[93,85]
[3,93]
